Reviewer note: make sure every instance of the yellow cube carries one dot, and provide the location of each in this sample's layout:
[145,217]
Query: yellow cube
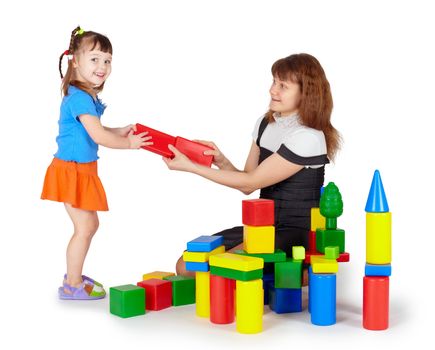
[202,256]
[202,295]
[317,219]
[157,274]
[259,239]
[236,262]
[320,264]
[378,238]
[298,252]
[249,306]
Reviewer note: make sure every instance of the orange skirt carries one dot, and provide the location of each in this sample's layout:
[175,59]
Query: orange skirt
[75,183]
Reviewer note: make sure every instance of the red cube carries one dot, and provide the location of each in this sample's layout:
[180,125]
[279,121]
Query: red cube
[258,212]
[160,140]
[194,151]
[158,293]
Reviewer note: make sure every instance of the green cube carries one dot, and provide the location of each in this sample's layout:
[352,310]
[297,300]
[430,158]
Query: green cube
[183,290]
[127,301]
[288,274]
[298,252]
[235,274]
[325,238]
[331,252]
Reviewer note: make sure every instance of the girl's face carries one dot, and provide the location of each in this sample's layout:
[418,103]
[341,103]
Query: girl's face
[285,96]
[92,67]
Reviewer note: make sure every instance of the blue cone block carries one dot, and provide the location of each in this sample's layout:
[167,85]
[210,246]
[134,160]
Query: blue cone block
[377,201]
[322,299]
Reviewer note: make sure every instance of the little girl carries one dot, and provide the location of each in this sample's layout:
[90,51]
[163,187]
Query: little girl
[72,177]
[291,145]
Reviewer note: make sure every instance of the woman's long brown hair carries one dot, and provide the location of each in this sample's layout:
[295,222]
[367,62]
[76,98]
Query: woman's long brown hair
[316,100]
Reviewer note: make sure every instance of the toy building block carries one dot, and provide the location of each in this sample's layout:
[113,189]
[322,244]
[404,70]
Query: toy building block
[258,212]
[298,252]
[183,290]
[285,300]
[236,262]
[276,256]
[205,243]
[320,264]
[322,298]
[317,219]
[249,306]
[331,205]
[378,238]
[197,266]
[325,238]
[377,200]
[259,239]
[160,141]
[202,256]
[268,280]
[332,252]
[221,299]
[312,241]
[235,274]
[158,293]
[378,270]
[202,294]
[127,301]
[288,274]
[343,257]
[194,151]
[376,302]
[156,274]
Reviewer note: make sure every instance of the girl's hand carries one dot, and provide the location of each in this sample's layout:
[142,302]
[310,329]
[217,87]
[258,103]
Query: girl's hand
[139,140]
[218,157]
[125,130]
[179,162]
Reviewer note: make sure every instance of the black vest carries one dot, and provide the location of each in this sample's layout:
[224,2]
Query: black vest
[294,197]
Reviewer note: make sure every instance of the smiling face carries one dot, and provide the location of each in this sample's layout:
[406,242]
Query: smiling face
[92,67]
[285,96]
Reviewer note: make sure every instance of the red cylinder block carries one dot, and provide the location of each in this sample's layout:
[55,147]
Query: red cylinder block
[221,299]
[376,302]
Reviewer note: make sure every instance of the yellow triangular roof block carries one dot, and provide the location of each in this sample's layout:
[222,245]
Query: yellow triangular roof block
[236,262]
[320,264]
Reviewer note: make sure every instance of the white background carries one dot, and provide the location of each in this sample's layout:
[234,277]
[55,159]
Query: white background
[201,69]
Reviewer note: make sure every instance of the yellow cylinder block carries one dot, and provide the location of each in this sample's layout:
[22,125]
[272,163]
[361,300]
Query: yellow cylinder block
[202,293]
[249,306]
[378,238]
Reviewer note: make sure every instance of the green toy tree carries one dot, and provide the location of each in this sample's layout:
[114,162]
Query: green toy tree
[331,205]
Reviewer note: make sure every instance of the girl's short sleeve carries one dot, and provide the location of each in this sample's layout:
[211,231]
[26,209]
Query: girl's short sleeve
[305,147]
[81,103]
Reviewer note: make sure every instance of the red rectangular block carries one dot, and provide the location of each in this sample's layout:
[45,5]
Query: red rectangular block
[160,140]
[158,293]
[258,212]
[343,257]
[312,242]
[194,151]
[376,293]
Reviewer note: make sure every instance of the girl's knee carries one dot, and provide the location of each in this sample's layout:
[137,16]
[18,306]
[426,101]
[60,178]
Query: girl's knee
[88,228]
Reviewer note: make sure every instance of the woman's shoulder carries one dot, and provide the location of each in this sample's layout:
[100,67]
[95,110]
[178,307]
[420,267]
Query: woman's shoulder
[306,141]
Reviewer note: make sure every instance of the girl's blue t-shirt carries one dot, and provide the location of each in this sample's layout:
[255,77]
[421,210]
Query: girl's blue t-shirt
[74,142]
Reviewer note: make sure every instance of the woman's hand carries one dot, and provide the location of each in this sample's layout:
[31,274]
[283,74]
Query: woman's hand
[179,162]
[218,157]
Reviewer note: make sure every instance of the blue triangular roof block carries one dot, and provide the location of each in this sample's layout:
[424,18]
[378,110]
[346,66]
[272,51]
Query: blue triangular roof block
[377,201]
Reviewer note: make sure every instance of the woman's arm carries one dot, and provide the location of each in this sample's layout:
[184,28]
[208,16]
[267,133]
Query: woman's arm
[108,137]
[271,171]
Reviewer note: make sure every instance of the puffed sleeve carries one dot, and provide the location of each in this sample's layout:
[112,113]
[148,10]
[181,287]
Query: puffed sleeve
[82,103]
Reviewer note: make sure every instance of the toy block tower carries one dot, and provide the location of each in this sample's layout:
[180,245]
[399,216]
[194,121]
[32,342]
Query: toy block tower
[197,258]
[378,258]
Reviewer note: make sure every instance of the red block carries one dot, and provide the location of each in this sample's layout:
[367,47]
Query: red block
[194,151]
[343,257]
[160,140]
[258,212]
[158,293]
[376,302]
[222,299]
[312,242]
